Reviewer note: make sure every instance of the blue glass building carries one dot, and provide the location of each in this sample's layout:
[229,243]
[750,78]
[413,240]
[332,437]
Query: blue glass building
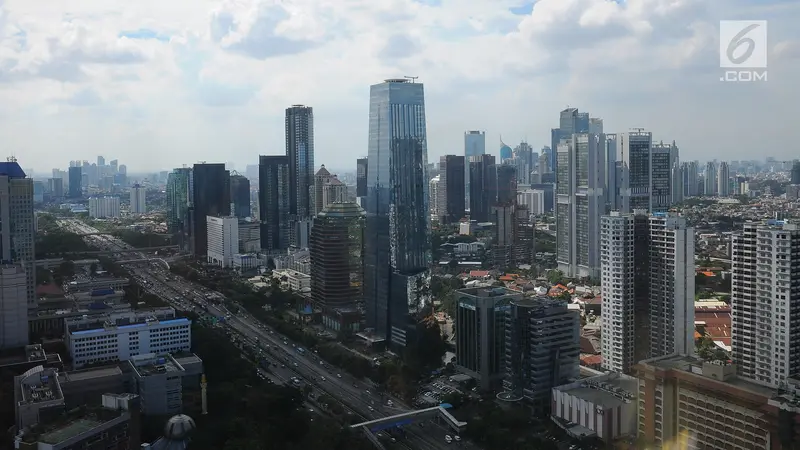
[397,237]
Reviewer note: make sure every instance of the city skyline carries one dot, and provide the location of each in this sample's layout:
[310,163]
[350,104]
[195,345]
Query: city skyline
[163,95]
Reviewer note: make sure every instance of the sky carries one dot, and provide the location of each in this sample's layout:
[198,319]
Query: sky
[158,84]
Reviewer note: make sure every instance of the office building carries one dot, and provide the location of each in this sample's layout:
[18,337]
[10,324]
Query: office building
[506,193]
[105,207]
[633,150]
[504,219]
[766,322]
[474,145]
[300,151]
[723,180]
[273,202]
[14,297]
[794,176]
[223,240]
[180,190]
[506,152]
[361,177]
[685,402]
[75,182]
[677,182]
[542,350]
[397,248]
[211,197]
[579,204]
[240,196]
[437,192]
[611,174]
[301,234]
[162,379]
[483,187]
[337,256]
[138,205]
[327,190]
[120,336]
[480,341]
[663,158]
[524,236]
[249,236]
[647,267]
[691,179]
[710,184]
[56,188]
[17,225]
[451,168]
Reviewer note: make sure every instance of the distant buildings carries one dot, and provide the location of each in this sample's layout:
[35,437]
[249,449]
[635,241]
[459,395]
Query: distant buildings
[474,145]
[483,187]
[138,205]
[75,182]
[223,240]
[240,196]
[104,207]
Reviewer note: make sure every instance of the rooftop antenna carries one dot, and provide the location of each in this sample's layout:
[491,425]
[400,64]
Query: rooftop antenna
[413,79]
[11,158]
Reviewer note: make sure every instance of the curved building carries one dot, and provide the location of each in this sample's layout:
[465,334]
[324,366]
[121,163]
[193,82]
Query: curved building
[337,255]
[505,151]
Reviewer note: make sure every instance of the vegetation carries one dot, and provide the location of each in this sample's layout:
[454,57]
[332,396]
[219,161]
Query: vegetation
[443,290]
[709,351]
[246,413]
[556,277]
[493,427]
[544,242]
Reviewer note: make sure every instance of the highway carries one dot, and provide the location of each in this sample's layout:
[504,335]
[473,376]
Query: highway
[356,396]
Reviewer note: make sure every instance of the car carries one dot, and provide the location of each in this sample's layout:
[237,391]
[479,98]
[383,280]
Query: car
[322,378]
[448,439]
[371,408]
[338,375]
[457,438]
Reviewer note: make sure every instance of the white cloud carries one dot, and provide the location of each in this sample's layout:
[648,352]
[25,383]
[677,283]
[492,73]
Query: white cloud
[160,83]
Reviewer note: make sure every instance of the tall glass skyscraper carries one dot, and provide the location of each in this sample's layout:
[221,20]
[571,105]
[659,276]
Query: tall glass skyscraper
[300,151]
[179,200]
[397,238]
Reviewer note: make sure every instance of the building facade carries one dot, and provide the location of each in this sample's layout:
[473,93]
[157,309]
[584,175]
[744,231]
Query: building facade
[362,167]
[273,203]
[75,182]
[138,202]
[397,244]
[240,196]
[13,306]
[211,197]
[300,152]
[223,240]
[634,150]
[483,187]
[18,224]
[104,207]
[474,145]
[452,171]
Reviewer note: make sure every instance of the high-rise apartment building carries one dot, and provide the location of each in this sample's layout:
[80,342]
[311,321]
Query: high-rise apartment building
[223,240]
[451,171]
[663,159]
[75,182]
[300,151]
[138,203]
[483,187]
[542,349]
[337,256]
[723,180]
[105,207]
[436,200]
[240,196]
[710,179]
[647,279]
[397,238]
[691,179]
[474,145]
[524,236]
[211,197]
[361,177]
[579,204]
[764,302]
[273,202]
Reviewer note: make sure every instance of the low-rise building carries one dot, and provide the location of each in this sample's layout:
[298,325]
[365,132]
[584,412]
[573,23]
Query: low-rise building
[604,406]
[294,280]
[159,380]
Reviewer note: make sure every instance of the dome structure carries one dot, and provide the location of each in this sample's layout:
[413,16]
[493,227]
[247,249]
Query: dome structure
[179,427]
[505,151]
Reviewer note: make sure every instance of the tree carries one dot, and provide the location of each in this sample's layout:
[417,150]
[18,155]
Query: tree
[555,276]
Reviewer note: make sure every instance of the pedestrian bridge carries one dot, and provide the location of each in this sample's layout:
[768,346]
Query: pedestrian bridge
[400,420]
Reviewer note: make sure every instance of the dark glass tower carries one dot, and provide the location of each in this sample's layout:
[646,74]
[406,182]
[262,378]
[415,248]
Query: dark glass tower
[212,197]
[452,168]
[483,187]
[361,177]
[179,200]
[300,151]
[273,202]
[240,196]
[506,184]
[75,182]
[397,238]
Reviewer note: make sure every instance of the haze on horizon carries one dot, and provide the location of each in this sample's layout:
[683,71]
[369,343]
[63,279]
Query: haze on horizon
[159,84]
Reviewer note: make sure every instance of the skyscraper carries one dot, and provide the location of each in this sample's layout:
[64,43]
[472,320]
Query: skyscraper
[634,149]
[240,196]
[580,202]
[138,204]
[273,202]
[506,193]
[766,321]
[710,180]
[212,197]
[795,174]
[361,177]
[483,187]
[691,179]
[337,256]
[663,158]
[451,169]
[474,145]
[300,151]
[723,180]
[397,238]
[101,161]
[17,226]
[75,182]
[179,200]
[648,287]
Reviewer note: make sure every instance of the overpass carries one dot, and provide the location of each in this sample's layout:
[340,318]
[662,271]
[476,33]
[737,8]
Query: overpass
[400,420]
[161,260]
[130,250]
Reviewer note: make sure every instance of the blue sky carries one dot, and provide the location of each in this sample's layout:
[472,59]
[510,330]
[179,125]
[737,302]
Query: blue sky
[160,84]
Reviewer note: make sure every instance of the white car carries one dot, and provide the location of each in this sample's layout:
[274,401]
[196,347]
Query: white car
[448,439]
